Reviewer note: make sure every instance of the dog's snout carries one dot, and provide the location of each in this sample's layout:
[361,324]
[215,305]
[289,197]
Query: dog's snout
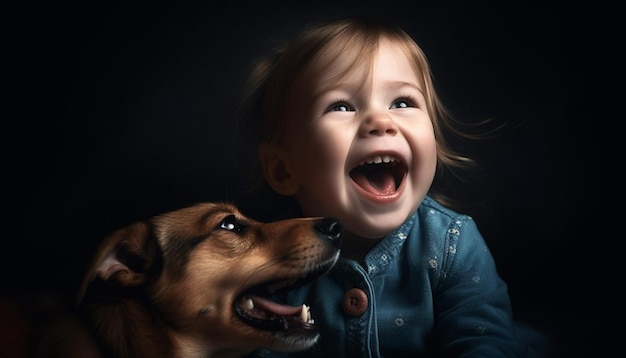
[331,229]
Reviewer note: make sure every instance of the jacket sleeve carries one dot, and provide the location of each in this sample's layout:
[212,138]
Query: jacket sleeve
[473,315]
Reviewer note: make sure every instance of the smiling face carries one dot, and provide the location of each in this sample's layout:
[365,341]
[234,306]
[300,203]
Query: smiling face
[358,143]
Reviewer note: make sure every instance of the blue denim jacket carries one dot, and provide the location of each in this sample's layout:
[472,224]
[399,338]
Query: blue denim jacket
[432,290]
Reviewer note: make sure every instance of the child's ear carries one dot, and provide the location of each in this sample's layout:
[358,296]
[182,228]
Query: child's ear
[276,170]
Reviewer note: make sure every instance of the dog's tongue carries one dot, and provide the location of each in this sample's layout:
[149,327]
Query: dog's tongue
[376,182]
[274,307]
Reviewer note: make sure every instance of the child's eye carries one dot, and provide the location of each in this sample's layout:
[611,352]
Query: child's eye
[339,107]
[403,103]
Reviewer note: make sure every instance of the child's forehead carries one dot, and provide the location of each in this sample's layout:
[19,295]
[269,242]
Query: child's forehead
[340,59]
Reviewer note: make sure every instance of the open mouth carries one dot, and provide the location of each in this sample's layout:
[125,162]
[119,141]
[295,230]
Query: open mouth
[380,175]
[257,307]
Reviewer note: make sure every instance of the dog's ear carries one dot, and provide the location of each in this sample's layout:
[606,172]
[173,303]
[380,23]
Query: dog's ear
[276,170]
[121,258]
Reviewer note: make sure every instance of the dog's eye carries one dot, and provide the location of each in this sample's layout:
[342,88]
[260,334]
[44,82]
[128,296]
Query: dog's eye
[231,223]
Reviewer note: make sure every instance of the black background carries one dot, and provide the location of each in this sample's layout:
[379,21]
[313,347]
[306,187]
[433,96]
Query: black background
[118,112]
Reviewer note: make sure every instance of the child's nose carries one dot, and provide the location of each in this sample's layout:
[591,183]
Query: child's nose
[378,124]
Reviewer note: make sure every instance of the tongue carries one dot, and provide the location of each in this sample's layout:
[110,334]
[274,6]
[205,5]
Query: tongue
[274,307]
[378,182]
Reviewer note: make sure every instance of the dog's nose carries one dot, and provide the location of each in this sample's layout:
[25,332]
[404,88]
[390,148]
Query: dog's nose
[330,228]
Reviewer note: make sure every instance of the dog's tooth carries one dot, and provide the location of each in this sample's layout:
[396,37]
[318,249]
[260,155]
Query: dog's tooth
[303,313]
[247,304]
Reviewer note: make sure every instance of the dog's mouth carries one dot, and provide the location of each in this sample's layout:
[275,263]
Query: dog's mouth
[266,314]
[379,175]
[257,307]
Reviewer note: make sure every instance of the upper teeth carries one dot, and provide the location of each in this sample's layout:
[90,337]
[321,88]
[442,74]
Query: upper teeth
[377,159]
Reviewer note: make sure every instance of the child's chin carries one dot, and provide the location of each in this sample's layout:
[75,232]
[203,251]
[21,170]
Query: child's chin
[374,230]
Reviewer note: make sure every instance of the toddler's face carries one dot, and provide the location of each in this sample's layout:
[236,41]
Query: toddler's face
[363,150]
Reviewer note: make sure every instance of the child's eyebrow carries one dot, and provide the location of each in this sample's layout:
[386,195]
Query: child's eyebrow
[391,85]
[403,84]
[336,87]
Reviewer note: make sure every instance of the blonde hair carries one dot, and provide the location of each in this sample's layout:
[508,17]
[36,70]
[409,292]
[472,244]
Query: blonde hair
[274,80]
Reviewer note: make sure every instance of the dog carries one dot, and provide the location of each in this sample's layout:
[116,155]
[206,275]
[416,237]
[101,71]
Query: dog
[201,281]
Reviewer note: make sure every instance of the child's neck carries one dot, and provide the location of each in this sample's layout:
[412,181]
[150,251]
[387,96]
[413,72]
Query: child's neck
[356,247]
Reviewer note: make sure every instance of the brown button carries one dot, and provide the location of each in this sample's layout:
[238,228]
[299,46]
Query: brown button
[354,302]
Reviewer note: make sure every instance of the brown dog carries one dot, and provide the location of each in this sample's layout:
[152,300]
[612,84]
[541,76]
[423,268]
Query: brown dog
[196,282]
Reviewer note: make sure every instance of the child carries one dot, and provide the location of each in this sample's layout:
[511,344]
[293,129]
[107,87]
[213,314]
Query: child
[349,125]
